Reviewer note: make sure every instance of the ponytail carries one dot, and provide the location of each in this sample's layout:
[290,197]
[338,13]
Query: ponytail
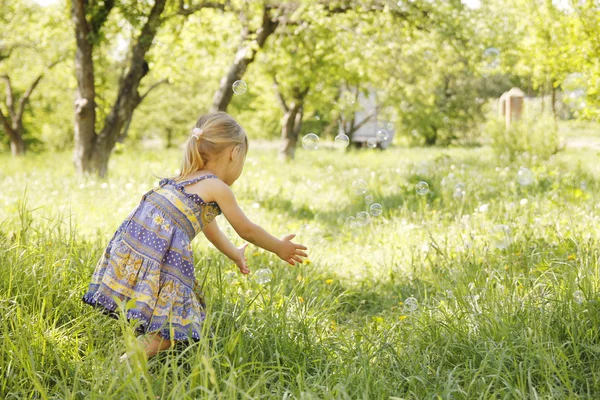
[212,134]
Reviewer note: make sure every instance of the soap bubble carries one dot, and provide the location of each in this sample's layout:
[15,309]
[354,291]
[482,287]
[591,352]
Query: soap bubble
[376,209]
[350,221]
[363,218]
[310,141]
[500,236]
[459,191]
[491,57]
[263,276]
[381,135]
[239,87]
[360,187]
[390,126]
[372,143]
[342,141]
[422,188]
[525,176]
[410,304]
[368,200]
[578,296]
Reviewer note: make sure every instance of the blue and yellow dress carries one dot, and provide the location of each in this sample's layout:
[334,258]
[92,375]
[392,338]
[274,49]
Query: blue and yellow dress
[150,259]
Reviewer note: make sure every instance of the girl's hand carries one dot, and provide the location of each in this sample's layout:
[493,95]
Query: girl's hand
[290,251]
[241,260]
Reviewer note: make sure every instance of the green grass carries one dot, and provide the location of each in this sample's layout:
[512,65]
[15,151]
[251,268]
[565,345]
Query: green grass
[490,323]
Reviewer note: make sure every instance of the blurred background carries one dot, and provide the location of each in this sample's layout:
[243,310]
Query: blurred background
[95,76]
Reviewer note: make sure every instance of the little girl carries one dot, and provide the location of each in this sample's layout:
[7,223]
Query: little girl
[149,258]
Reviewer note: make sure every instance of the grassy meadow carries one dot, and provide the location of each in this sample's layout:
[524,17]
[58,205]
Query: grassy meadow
[480,321]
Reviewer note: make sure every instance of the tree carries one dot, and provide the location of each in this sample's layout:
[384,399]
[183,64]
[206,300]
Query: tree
[92,149]
[12,123]
[252,40]
[25,58]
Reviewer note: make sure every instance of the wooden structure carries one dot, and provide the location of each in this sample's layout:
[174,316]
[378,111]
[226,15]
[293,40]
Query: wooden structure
[510,105]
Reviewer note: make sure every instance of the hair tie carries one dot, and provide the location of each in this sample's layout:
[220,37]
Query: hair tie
[197,132]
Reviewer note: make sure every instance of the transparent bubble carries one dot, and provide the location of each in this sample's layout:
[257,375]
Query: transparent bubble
[342,141]
[381,135]
[500,236]
[369,200]
[390,126]
[239,87]
[372,143]
[360,187]
[317,117]
[363,218]
[459,191]
[491,58]
[310,141]
[376,209]
[583,185]
[263,276]
[410,304]
[422,188]
[350,221]
[578,296]
[525,176]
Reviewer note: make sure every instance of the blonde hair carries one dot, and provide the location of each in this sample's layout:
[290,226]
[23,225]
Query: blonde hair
[219,131]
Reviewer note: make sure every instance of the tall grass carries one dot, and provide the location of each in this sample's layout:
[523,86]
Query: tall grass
[489,323]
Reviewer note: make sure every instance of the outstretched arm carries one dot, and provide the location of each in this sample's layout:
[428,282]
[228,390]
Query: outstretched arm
[284,248]
[224,245]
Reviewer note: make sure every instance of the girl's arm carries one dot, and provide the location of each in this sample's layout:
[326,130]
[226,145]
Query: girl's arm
[249,231]
[224,245]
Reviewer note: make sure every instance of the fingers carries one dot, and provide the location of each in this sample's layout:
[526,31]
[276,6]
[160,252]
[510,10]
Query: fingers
[297,259]
[244,269]
[289,237]
[299,246]
[301,253]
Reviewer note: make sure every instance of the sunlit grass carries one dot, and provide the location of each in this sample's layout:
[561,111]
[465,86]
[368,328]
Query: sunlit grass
[489,322]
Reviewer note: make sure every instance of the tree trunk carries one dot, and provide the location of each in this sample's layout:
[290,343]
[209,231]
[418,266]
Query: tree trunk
[289,136]
[542,93]
[244,57]
[85,95]
[17,146]
[169,137]
[430,140]
[554,101]
[93,151]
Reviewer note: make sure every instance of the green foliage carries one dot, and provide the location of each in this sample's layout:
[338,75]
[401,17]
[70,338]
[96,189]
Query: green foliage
[423,61]
[534,136]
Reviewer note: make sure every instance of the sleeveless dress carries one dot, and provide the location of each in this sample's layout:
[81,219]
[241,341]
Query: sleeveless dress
[150,259]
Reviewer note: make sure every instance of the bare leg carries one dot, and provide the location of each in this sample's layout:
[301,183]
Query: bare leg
[155,343]
[152,344]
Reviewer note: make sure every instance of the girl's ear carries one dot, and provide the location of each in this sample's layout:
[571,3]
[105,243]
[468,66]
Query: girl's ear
[235,152]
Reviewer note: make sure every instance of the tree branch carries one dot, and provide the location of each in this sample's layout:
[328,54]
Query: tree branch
[100,16]
[279,95]
[166,80]
[9,97]
[23,100]
[6,125]
[189,10]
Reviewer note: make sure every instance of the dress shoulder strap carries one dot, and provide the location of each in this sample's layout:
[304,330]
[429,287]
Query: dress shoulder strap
[189,182]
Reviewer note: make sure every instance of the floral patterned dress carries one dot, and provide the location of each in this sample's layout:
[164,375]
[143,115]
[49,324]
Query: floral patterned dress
[150,259]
